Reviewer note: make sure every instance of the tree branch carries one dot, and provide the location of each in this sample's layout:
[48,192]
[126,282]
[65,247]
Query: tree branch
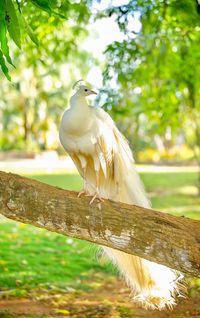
[159,237]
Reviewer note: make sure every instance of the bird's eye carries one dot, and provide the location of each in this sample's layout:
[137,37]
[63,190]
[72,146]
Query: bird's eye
[86,90]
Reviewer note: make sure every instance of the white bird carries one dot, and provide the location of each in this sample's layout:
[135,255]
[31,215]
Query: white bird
[104,160]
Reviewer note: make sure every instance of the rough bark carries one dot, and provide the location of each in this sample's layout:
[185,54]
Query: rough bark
[159,237]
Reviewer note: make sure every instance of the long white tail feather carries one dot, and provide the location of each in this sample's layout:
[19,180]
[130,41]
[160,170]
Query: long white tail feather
[153,286]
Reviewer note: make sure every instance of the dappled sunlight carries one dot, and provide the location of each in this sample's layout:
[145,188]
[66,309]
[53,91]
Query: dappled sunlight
[188,190]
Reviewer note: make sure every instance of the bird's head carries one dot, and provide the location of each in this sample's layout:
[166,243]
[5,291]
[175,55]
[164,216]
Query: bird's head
[83,90]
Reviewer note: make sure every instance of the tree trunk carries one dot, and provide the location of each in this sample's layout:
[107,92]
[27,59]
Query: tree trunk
[159,237]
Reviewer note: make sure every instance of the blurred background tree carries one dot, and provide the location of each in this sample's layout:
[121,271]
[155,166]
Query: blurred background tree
[150,77]
[49,61]
[155,70]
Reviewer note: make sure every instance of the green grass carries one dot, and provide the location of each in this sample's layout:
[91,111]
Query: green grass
[65,181]
[175,193]
[169,180]
[31,257]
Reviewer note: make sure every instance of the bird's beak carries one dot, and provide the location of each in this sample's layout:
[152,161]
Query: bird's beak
[93,92]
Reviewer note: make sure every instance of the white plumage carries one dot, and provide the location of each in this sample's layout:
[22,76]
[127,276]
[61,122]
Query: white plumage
[104,160]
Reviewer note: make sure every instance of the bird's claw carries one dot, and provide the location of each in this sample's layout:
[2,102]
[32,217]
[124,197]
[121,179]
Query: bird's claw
[83,192]
[96,197]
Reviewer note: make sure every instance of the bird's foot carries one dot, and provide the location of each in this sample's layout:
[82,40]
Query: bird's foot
[96,196]
[83,192]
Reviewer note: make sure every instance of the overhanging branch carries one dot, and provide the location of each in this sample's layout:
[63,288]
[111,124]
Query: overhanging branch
[159,237]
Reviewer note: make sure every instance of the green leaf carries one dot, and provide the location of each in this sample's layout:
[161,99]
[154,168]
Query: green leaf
[59,14]
[43,4]
[18,5]
[30,32]
[3,38]
[32,35]
[12,22]
[4,67]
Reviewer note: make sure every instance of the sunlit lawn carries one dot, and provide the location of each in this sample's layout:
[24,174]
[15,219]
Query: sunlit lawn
[31,257]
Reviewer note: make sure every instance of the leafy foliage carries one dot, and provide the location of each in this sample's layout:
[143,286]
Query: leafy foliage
[13,15]
[45,68]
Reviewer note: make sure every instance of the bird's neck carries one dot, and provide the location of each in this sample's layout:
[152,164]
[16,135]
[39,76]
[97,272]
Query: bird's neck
[78,102]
